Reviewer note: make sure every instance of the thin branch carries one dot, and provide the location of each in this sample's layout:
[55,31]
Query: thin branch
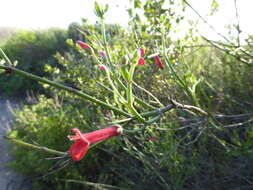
[238,23]
[99,186]
[197,46]
[66,88]
[239,116]
[57,167]
[238,124]
[36,147]
[160,111]
[180,128]
[195,139]
[149,93]
[138,100]
[187,107]
[227,51]
[156,112]
[234,117]
[204,20]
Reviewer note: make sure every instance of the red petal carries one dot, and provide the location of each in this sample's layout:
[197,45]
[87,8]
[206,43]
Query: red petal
[80,135]
[80,147]
[141,61]
[101,67]
[78,150]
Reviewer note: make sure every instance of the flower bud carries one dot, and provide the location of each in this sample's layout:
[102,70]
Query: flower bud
[142,52]
[158,62]
[83,45]
[101,53]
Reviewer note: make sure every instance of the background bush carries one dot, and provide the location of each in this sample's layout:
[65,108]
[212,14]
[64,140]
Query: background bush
[32,49]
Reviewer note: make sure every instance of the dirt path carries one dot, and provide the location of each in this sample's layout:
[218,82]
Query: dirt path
[9,180]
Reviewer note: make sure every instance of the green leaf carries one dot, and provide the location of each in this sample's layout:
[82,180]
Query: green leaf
[137,4]
[70,42]
[98,11]
[106,8]
[214,7]
[13,134]
[124,73]
[130,12]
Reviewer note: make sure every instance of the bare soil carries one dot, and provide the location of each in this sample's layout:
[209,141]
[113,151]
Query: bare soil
[9,180]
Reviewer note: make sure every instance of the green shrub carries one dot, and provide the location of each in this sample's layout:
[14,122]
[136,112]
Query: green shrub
[151,159]
[128,161]
[208,153]
[32,49]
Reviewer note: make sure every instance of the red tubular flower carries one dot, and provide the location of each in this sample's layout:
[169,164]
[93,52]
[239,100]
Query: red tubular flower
[158,62]
[80,147]
[141,61]
[83,45]
[142,52]
[83,141]
[153,139]
[101,67]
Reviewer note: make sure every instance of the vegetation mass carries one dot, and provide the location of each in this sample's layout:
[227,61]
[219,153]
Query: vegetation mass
[185,105]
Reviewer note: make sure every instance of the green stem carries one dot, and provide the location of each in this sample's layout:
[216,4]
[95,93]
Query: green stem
[179,80]
[138,100]
[149,93]
[66,88]
[32,146]
[156,112]
[135,113]
[108,57]
[115,90]
[130,95]
[5,57]
[133,131]
[130,84]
